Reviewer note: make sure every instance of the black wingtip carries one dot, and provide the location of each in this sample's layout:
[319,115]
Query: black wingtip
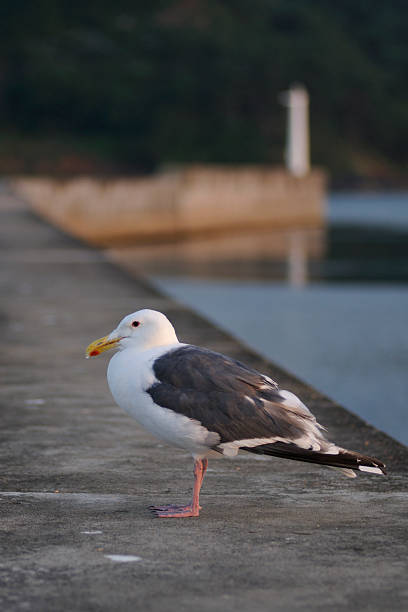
[344,459]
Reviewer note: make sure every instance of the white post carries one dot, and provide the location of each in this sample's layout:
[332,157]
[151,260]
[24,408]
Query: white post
[297,139]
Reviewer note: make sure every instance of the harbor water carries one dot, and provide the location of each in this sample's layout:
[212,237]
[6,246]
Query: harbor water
[332,308]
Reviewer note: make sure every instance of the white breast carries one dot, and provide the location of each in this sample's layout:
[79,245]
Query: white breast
[130,374]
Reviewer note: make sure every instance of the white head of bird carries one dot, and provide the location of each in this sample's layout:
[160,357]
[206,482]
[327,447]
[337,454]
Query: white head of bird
[140,330]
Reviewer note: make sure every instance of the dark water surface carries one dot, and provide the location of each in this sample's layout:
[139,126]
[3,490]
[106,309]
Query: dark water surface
[348,341]
[329,305]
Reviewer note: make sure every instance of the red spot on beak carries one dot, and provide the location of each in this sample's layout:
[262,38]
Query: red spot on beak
[93,353]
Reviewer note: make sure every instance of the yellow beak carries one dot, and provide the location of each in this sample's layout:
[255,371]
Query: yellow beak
[99,346]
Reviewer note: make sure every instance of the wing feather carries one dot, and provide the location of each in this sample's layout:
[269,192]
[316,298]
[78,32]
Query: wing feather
[235,401]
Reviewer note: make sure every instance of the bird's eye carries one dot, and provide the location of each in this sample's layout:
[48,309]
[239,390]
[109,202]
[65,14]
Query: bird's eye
[135,323]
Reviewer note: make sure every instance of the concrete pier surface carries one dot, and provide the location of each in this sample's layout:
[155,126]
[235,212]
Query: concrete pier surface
[77,474]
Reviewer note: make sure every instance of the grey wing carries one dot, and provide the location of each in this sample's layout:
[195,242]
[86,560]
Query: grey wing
[237,402]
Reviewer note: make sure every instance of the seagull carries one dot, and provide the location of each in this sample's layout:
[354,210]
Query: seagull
[209,404]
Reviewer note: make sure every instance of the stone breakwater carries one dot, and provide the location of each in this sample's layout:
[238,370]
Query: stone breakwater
[176,203]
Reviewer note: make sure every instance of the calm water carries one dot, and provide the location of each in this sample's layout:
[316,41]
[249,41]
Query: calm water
[331,308]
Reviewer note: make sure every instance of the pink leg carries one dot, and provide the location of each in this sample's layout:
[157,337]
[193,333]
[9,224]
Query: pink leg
[193,509]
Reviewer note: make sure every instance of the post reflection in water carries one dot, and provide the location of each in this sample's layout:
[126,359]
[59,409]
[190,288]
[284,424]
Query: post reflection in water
[297,259]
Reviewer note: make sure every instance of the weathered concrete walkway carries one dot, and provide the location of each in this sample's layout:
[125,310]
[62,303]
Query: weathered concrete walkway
[77,474]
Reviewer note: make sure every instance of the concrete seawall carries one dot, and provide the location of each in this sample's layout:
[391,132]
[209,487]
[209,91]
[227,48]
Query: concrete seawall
[195,199]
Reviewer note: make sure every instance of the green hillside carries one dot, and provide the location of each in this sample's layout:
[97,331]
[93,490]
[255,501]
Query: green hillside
[128,85]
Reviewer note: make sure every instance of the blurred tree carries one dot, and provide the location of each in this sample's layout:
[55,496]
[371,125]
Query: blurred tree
[198,80]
